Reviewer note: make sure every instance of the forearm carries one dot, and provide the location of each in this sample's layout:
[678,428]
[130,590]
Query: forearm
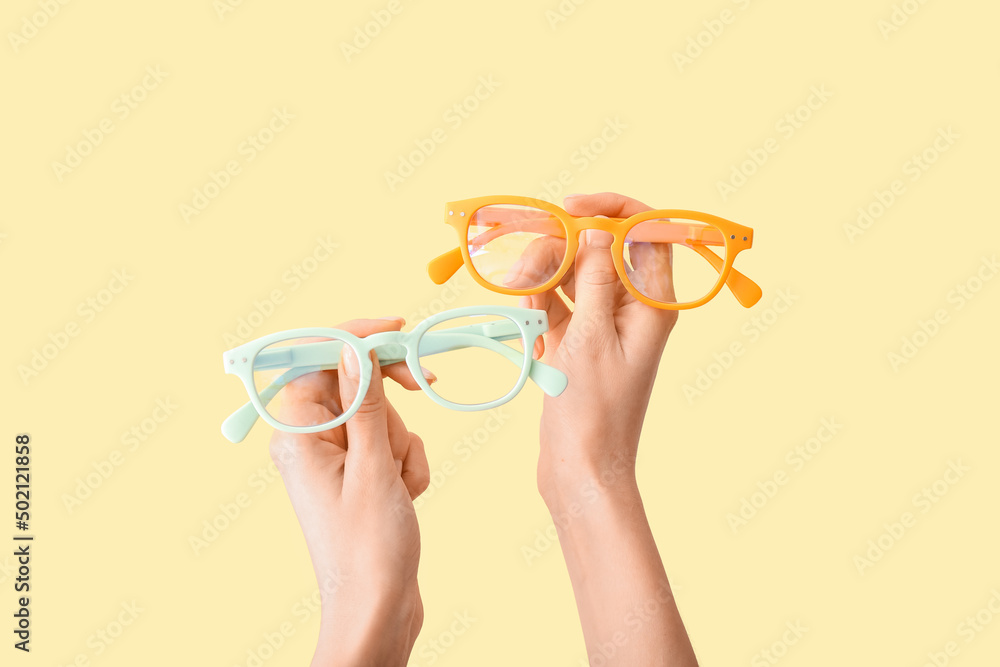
[369,633]
[624,599]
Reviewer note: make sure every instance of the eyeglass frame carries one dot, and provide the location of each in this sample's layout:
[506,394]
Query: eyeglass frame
[737,238]
[391,347]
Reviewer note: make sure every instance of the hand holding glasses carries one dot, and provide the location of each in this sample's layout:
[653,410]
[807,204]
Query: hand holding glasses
[487,366]
[668,258]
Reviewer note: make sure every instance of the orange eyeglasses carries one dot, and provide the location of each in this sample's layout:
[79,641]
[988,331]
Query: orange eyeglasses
[666,258]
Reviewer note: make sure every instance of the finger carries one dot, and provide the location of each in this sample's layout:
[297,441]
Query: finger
[558,314]
[615,205]
[596,277]
[555,308]
[416,473]
[315,398]
[610,204]
[314,393]
[646,328]
[538,262]
[399,437]
[398,371]
[294,453]
[653,277]
[539,348]
[401,374]
[367,433]
[362,328]
[653,270]
[568,285]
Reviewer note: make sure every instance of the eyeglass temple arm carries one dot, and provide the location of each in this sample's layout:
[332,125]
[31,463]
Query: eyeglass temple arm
[237,426]
[483,335]
[548,379]
[746,291]
[443,267]
[304,359]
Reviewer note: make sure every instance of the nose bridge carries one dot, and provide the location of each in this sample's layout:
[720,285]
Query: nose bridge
[609,225]
[385,338]
[388,345]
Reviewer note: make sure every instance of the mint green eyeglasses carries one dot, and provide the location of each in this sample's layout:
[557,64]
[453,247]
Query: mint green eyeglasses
[488,363]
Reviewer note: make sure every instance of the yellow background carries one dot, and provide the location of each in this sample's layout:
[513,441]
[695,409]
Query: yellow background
[557,85]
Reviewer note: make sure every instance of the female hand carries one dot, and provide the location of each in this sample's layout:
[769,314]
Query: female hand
[352,489]
[609,346]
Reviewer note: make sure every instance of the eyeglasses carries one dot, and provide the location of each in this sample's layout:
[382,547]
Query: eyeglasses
[490,362]
[667,258]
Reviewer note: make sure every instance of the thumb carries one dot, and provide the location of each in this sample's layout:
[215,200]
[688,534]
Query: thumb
[595,275]
[368,448]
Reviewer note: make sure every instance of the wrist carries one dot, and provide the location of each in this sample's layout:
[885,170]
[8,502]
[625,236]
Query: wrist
[575,471]
[370,629]
[570,487]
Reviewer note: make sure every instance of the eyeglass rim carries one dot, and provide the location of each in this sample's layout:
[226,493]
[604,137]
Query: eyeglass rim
[239,361]
[737,237]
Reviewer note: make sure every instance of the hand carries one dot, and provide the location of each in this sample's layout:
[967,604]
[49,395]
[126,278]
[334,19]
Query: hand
[352,489]
[609,346]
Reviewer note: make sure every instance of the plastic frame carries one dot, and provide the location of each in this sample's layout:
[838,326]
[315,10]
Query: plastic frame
[735,237]
[391,347]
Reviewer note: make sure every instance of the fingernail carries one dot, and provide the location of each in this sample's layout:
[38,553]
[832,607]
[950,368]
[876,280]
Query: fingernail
[399,466]
[349,362]
[430,377]
[393,317]
[573,195]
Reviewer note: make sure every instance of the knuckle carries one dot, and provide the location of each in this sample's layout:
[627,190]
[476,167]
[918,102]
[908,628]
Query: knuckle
[601,276]
[286,449]
[370,409]
[421,480]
